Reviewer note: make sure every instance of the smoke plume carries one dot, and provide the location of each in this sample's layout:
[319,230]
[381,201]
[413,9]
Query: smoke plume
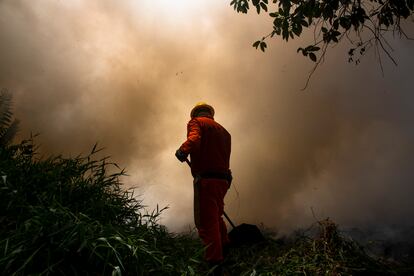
[126,75]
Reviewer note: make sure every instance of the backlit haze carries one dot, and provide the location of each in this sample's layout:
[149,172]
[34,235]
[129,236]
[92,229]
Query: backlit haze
[126,74]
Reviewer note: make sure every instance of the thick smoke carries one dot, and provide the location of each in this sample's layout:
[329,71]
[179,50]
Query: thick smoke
[126,75]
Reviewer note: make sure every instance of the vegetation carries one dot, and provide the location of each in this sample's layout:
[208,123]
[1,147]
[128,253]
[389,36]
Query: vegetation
[67,216]
[8,126]
[70,216]
[363,23]
[319,250]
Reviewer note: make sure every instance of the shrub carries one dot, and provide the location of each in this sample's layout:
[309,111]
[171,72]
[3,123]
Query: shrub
[69,216]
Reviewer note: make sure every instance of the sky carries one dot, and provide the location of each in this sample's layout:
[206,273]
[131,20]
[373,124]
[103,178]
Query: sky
[125,74]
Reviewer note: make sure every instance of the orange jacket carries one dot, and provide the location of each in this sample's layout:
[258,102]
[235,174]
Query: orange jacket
[209,146]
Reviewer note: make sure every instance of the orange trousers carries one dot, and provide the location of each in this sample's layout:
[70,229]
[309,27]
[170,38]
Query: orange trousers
[208,210]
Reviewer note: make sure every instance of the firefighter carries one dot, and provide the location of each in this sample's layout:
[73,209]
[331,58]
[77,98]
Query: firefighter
[209,145]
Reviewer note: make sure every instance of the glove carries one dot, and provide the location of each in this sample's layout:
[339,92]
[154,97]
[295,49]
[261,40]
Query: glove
[229,177]
[181,155]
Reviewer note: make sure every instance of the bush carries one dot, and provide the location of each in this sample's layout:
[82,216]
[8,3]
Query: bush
[68,216]
[319,250]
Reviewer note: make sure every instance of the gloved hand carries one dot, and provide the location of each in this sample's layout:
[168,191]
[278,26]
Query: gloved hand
[230,177]
[181,155]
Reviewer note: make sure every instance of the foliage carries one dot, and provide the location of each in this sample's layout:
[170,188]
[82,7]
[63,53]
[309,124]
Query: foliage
[333,21]
[325,253]
[8,126]
[68,216]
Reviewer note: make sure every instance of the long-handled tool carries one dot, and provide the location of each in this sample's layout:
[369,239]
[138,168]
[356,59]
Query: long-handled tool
[242,234]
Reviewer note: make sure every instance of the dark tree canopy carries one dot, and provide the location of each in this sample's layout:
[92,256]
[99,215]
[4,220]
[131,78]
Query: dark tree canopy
[332,21]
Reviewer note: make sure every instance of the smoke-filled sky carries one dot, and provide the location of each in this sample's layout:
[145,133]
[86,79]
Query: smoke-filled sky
[126,74]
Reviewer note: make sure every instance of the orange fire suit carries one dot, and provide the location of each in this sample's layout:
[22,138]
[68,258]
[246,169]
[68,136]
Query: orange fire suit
[209,146]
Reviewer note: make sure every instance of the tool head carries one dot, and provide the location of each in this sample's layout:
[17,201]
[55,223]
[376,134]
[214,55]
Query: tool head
[245,234]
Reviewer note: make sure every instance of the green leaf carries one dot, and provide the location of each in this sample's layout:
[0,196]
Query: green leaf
[297,30]
[312,56]
[278,31]
[304,23]
[277,22]
[335,24]
[264,6]
[263,46]
[285,34]
[256,44]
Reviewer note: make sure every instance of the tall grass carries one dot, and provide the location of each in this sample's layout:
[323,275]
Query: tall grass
[69,216]
[8,125]
[319,250]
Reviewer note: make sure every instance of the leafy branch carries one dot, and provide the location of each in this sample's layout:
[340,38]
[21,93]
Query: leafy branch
[332,21]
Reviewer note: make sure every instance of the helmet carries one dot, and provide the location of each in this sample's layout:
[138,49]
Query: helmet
[201,106]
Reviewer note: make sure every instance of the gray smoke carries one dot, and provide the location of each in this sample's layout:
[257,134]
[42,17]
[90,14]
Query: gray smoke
[126,75]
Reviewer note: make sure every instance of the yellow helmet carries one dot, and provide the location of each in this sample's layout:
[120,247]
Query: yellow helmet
[201,106]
